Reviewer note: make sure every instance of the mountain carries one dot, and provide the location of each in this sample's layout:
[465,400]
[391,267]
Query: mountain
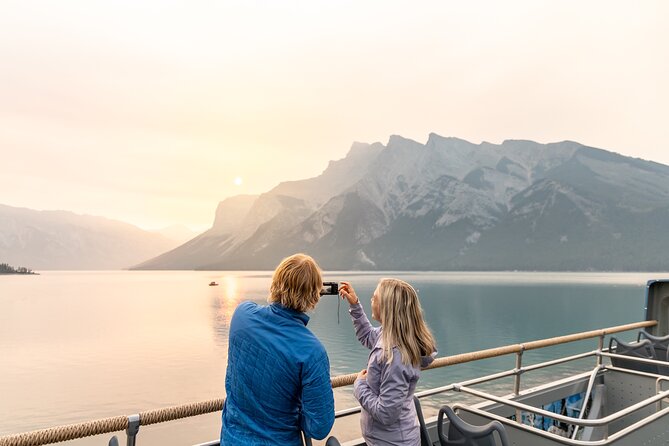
[450,204]
[48,240]
[177,233]
[209,245]
[242,217]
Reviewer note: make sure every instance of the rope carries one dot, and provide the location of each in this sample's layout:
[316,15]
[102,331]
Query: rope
[175,412]
[343,380]
[115,424]
[107,425]
[67,432]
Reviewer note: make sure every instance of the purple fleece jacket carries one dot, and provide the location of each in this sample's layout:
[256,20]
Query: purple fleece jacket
[386,396]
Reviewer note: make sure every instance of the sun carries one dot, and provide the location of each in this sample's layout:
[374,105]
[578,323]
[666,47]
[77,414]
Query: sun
[238,181]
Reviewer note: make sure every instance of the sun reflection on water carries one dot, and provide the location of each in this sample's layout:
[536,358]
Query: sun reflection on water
[225,299]
[228,297]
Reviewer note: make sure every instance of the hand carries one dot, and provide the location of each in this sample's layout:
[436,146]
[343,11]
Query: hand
[347,292]
[362,374]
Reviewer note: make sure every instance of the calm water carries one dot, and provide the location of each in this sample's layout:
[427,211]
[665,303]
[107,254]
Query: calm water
[76,346]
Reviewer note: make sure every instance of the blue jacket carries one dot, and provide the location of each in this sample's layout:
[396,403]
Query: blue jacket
[277,381]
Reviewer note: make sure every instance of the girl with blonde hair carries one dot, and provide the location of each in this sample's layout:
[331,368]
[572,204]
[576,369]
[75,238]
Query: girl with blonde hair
[400,348]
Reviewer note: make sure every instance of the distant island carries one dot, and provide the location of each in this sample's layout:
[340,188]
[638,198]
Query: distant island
[5,268]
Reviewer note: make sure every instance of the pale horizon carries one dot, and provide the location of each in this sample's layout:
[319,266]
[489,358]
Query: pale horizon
[152,113]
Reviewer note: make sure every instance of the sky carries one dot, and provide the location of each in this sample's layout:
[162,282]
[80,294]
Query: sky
[152,112]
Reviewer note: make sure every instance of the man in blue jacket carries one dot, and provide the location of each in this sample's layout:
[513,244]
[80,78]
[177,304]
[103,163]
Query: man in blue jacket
[278,376]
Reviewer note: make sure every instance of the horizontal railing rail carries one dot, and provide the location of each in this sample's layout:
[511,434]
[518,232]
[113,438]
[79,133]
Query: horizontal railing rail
[568,441]
[480,380]
[116,424]
[564,418]
[346,380]
[658,362]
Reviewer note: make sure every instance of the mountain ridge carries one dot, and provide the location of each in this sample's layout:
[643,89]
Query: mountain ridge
[450,204]
[48,240]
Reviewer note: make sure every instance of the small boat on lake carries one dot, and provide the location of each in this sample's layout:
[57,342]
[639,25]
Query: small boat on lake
[212,283]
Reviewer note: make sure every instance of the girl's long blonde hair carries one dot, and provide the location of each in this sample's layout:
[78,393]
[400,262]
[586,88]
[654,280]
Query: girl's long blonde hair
[403,326]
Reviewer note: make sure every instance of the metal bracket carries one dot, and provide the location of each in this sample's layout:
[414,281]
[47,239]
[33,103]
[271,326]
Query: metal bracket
[133,429]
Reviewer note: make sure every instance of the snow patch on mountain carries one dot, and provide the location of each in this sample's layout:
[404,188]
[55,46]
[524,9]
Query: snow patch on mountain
[362,259]
[473,238]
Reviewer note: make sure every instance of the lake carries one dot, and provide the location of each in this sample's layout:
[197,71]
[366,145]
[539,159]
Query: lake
[77,346]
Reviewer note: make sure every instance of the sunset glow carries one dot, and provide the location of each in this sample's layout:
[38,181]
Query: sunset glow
[121,112]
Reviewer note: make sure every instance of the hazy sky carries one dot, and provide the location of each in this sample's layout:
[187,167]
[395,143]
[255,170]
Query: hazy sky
[147,111]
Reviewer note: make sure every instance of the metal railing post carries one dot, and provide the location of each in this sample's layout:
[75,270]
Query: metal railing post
[519,370]
[516,379]
[658,389]
[133,428]
[600,347]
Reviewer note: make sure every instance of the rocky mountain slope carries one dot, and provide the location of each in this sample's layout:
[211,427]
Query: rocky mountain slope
[451,205]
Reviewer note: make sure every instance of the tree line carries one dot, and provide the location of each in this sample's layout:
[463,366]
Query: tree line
[6,268]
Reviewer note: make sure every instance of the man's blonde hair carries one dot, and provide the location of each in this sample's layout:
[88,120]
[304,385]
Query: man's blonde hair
[296,283]
[403,325]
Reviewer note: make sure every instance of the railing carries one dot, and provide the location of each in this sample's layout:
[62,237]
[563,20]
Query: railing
[132,423]
[659,397]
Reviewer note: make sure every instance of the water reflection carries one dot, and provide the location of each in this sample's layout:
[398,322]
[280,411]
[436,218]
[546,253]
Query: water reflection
[226,297]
